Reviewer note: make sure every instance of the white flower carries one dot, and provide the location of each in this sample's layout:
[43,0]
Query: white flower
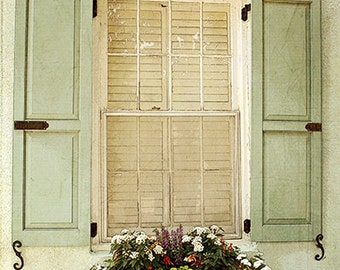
[136,233]
[214,228]
[124,231]
[199,230]
[158,249]
[141,239]
[116,239]
[197,239]
[198,247]
[186,238]
[134,254]
[217,242]
[246,262]
[266,268]
[258,263]
[126,237]
[211,236]
[241,256]
[150,257]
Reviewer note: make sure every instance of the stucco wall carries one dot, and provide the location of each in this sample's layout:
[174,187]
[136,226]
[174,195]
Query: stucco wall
[280,256]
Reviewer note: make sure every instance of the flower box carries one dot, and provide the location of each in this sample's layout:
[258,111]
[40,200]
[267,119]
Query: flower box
[200,249]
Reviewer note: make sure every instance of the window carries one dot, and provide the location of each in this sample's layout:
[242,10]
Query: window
[158,117]
[169,119]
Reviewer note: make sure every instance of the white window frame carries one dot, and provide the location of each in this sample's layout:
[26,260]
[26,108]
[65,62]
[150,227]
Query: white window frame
[240,78]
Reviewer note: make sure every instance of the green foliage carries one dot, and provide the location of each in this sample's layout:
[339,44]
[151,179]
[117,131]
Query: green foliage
[200,249]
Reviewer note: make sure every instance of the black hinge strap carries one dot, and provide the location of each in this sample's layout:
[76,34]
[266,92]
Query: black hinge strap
[313,127]
[30,125]
[93,228]
[244,12]
[246,225]
[94,9]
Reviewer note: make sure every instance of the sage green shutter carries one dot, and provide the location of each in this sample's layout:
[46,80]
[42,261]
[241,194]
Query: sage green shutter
[51,173]
[286,95]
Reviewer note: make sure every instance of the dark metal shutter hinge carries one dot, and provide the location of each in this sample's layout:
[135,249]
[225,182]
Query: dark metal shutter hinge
[93,229]
[94,9]
[246,225]
[30,125]
[313,127]
[244,12]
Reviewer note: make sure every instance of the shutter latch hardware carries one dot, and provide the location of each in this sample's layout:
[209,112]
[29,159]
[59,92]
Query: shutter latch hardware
[93,229]
[313,127]
[318,240]
[17,244]
[246,225]
[244,12]
[31,125]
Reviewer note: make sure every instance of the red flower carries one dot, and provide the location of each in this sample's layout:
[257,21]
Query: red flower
[191,258]
[230,247]
[150,267]
[167,260]
[239,267]
[198,263]
[195,261]
[116,256]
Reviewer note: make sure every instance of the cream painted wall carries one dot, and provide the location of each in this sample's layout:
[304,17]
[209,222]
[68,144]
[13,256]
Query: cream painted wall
[280,256]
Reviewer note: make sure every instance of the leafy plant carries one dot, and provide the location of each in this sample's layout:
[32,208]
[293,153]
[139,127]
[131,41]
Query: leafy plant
[200,249]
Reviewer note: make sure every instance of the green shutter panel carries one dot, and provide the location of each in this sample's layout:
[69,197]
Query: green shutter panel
[286,95]
[51,171]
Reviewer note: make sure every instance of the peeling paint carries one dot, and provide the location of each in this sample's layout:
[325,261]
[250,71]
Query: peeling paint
[146,44]
[195,38]
[180,41]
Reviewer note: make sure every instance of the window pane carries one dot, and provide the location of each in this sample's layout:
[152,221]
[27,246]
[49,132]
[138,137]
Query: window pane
[171,170]
[186,143]
[169,158]
[186,83]
[122,201]
[122,30]
[153,83]
[215,28]
[153,191]
[187,200]
[185,27]
[216,83]
[152,23]
[122,82]
[121,146]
